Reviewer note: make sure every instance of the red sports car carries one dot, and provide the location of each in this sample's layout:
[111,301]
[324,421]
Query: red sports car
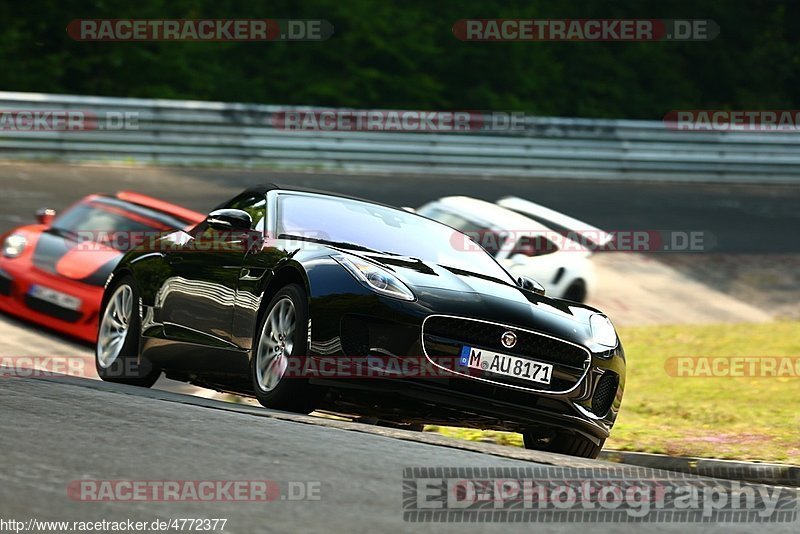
[53,272]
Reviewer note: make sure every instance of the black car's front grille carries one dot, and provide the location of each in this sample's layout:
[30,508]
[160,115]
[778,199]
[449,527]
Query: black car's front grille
[42,306]
[444,336]
[487,335]
[604,393]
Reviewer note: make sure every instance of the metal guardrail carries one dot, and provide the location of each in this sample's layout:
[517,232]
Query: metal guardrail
[215,133]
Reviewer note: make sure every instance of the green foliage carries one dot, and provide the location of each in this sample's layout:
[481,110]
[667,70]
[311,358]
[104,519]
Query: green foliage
[404,55]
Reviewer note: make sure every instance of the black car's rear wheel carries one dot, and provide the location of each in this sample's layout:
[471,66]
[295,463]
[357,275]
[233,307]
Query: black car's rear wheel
[562,442]
[280,344]
[117,350]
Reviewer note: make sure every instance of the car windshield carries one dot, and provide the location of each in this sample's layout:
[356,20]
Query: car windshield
[489,239]
[104,219]
[380,228]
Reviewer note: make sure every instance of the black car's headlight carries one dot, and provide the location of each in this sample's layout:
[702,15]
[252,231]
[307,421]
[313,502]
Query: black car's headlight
[603,332]
[375,277]
[14,245]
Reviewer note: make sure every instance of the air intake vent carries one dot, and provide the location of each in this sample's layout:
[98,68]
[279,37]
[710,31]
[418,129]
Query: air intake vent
[604,393]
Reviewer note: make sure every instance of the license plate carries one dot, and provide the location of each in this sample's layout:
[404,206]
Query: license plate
[507,365]
[55,297]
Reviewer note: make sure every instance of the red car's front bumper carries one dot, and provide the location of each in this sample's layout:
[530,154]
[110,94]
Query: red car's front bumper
[17,279]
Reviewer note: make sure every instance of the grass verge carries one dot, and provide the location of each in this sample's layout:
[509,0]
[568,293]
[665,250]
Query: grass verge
[745,418]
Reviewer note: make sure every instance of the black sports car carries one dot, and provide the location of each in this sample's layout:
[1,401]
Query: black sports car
[310,300]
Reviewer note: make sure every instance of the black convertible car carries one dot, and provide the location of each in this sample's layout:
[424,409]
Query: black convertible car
[310,300]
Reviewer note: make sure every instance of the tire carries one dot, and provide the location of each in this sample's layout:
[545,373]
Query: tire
[576,291]
[562,443]
[116,354]
[273,349]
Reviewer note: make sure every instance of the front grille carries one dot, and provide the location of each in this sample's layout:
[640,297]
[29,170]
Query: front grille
[445,336]
[487,335]
[42,306]
[5,284]
[604,393]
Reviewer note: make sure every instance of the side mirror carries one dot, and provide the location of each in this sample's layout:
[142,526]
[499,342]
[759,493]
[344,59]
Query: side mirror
[45,216]
[229,219]
[530,284]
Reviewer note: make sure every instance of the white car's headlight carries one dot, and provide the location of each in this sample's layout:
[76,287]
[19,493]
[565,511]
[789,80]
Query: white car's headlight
[603,331]
[14,245]
[375,277]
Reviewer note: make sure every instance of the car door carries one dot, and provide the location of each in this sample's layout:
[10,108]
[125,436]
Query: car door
[199,297]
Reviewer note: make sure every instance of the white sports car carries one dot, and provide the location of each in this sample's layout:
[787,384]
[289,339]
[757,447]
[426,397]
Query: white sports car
[525,247]
[592,237]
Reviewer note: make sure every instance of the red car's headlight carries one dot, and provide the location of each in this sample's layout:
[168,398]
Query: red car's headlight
[14,245]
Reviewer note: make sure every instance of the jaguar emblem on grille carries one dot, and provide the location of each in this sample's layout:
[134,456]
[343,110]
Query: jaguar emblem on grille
[508,339]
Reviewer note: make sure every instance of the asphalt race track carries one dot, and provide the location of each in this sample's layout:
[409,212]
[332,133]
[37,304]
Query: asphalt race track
[59,430]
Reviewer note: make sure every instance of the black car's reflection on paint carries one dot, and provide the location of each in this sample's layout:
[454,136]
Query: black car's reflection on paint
[313,300]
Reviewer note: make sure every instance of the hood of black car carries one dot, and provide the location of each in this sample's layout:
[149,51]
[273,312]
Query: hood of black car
[473,295]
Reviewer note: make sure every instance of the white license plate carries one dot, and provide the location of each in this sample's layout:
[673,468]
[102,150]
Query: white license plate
[55,297]
[507,365]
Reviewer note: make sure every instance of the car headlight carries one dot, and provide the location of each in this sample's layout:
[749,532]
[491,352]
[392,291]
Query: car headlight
[375,277]
[603,332]
[14,245]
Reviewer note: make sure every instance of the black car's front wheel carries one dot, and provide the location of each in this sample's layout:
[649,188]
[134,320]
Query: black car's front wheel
[117,350]
[280,344]
[562,442]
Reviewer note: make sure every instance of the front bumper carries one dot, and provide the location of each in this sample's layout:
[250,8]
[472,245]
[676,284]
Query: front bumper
[16,280]
[585,400]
